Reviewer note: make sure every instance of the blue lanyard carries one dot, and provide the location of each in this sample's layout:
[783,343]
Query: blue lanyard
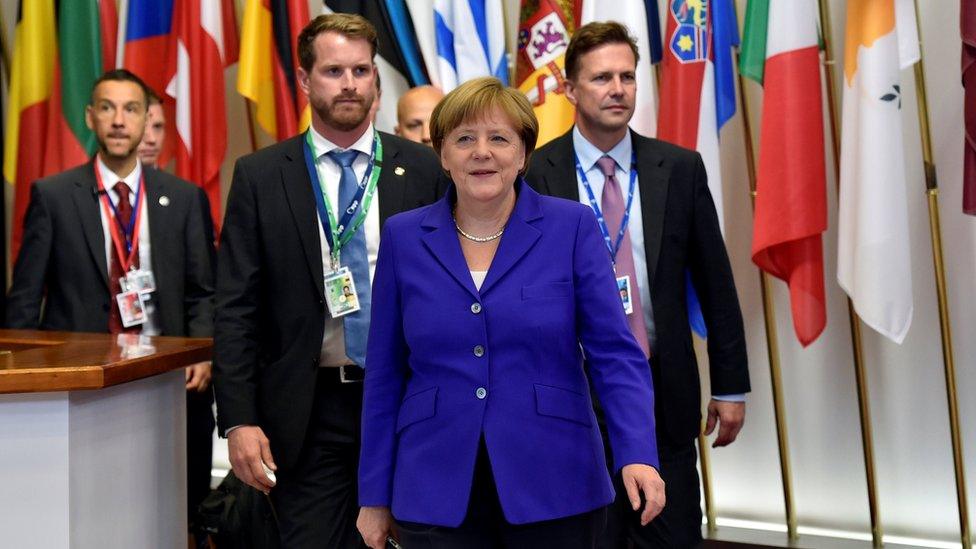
[612,247]
[343,230]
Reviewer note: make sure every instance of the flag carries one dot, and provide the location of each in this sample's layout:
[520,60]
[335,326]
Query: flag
[268,61]
[145,46]
[781,51]
[470,37]
[205,39]
[967,20]
[87,40]
[31,83]
[422,15]
[698,92]
[873,263]
[545,27]
[398,58]
[641,19]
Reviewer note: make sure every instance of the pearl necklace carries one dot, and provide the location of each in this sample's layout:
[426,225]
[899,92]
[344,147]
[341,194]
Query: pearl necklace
[481,239]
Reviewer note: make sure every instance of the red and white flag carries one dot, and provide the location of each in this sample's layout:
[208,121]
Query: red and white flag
[206,42]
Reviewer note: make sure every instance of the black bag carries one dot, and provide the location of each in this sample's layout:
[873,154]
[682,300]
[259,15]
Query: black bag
[239,517]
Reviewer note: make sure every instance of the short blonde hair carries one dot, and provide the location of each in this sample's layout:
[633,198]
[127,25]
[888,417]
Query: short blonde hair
[475,99]
[350,25]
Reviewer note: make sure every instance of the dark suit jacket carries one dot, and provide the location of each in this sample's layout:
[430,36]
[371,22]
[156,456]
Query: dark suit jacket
[681,232]
[62,258]
[270,297]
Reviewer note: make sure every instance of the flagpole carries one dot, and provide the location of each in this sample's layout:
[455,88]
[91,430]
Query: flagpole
[772,339]
[4,49]
[706,473]
[864,408]
[935,228]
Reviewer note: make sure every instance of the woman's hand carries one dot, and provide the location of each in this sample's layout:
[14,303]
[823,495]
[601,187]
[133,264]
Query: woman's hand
[375,524]
[644,478]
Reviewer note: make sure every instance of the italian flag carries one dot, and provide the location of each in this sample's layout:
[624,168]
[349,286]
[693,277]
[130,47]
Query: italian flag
[781,52]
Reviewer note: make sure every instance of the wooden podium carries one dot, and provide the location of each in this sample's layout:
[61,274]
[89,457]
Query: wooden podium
[93,439]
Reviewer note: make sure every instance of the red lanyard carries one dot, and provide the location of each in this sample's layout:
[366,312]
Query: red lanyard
[114,226]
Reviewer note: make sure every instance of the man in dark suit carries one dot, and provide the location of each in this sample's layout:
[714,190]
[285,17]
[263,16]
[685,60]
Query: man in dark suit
[671,229]
[87,227]
[302,222]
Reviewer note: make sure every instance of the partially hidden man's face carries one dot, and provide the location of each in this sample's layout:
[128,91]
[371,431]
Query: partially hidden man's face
[117,116]
[413,115]
[605,88]
[154,136]
[341,84]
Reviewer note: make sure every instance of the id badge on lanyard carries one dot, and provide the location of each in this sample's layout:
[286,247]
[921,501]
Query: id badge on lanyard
[136,284]
[339,284]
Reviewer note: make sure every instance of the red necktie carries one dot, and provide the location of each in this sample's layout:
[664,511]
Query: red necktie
[613,214]
[123,217]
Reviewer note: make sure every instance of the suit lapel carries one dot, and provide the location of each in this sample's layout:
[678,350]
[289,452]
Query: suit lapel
[560,178]
[653,179]
[159,218]
[301,202]
[391,186]
[519,236]
[442,241]
[87,202]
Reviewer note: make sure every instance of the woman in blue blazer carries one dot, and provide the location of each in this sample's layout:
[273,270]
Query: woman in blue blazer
[478,429]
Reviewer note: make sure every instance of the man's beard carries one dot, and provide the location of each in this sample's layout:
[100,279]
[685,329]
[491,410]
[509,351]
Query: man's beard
[345,119]
[105,152]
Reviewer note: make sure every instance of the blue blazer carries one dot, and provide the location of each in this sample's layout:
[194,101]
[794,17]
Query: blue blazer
[447,364]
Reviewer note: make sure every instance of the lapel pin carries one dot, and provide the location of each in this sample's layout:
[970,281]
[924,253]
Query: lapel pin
[399,170]
[164,200]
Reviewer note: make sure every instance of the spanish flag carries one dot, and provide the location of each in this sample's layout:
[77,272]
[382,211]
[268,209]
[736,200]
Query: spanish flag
[31,82]
[873,259]
[545,27]
[268,61]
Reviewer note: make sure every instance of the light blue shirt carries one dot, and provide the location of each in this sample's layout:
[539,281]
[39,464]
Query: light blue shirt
[621,153]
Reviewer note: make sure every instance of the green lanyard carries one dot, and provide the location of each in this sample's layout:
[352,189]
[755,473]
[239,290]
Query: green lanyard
[342,230]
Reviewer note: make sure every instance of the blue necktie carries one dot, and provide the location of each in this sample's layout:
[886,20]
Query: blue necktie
[353,255]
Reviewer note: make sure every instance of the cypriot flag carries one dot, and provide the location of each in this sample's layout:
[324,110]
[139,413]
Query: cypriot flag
[874,264]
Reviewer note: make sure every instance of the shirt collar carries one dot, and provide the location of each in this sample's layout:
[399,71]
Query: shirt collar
[588,153]
[364,144]
[109,178]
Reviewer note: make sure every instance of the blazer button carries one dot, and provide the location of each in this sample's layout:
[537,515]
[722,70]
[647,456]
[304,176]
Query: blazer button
[481,393]
[479,351]
[476,308]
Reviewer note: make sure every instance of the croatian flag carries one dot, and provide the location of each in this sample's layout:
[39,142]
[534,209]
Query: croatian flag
[698,92]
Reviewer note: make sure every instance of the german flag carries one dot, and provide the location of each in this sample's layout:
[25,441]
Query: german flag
[268,61]
[31,83]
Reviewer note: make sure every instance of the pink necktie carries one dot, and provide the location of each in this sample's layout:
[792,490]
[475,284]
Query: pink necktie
[613,214]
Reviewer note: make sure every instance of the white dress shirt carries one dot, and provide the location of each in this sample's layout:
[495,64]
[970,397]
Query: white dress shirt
[109,179]
[621,153]
[334,340]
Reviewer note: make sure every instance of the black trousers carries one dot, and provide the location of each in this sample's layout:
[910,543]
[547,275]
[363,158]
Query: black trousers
[485,527]
[317,501]
[199,449]
[678,525]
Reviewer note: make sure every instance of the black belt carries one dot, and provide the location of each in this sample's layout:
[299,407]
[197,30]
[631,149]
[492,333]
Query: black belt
[349,373]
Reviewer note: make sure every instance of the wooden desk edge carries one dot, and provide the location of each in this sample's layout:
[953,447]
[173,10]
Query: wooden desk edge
[44,380]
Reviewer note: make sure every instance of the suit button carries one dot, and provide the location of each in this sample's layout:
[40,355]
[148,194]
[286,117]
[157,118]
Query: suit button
[481,393]
[476,308]
[479,351]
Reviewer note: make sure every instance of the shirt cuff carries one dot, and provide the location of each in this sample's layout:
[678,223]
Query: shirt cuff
[229,429]
[738,397]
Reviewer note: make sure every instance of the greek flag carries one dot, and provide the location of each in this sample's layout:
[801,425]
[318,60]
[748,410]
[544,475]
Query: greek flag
[470,37]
